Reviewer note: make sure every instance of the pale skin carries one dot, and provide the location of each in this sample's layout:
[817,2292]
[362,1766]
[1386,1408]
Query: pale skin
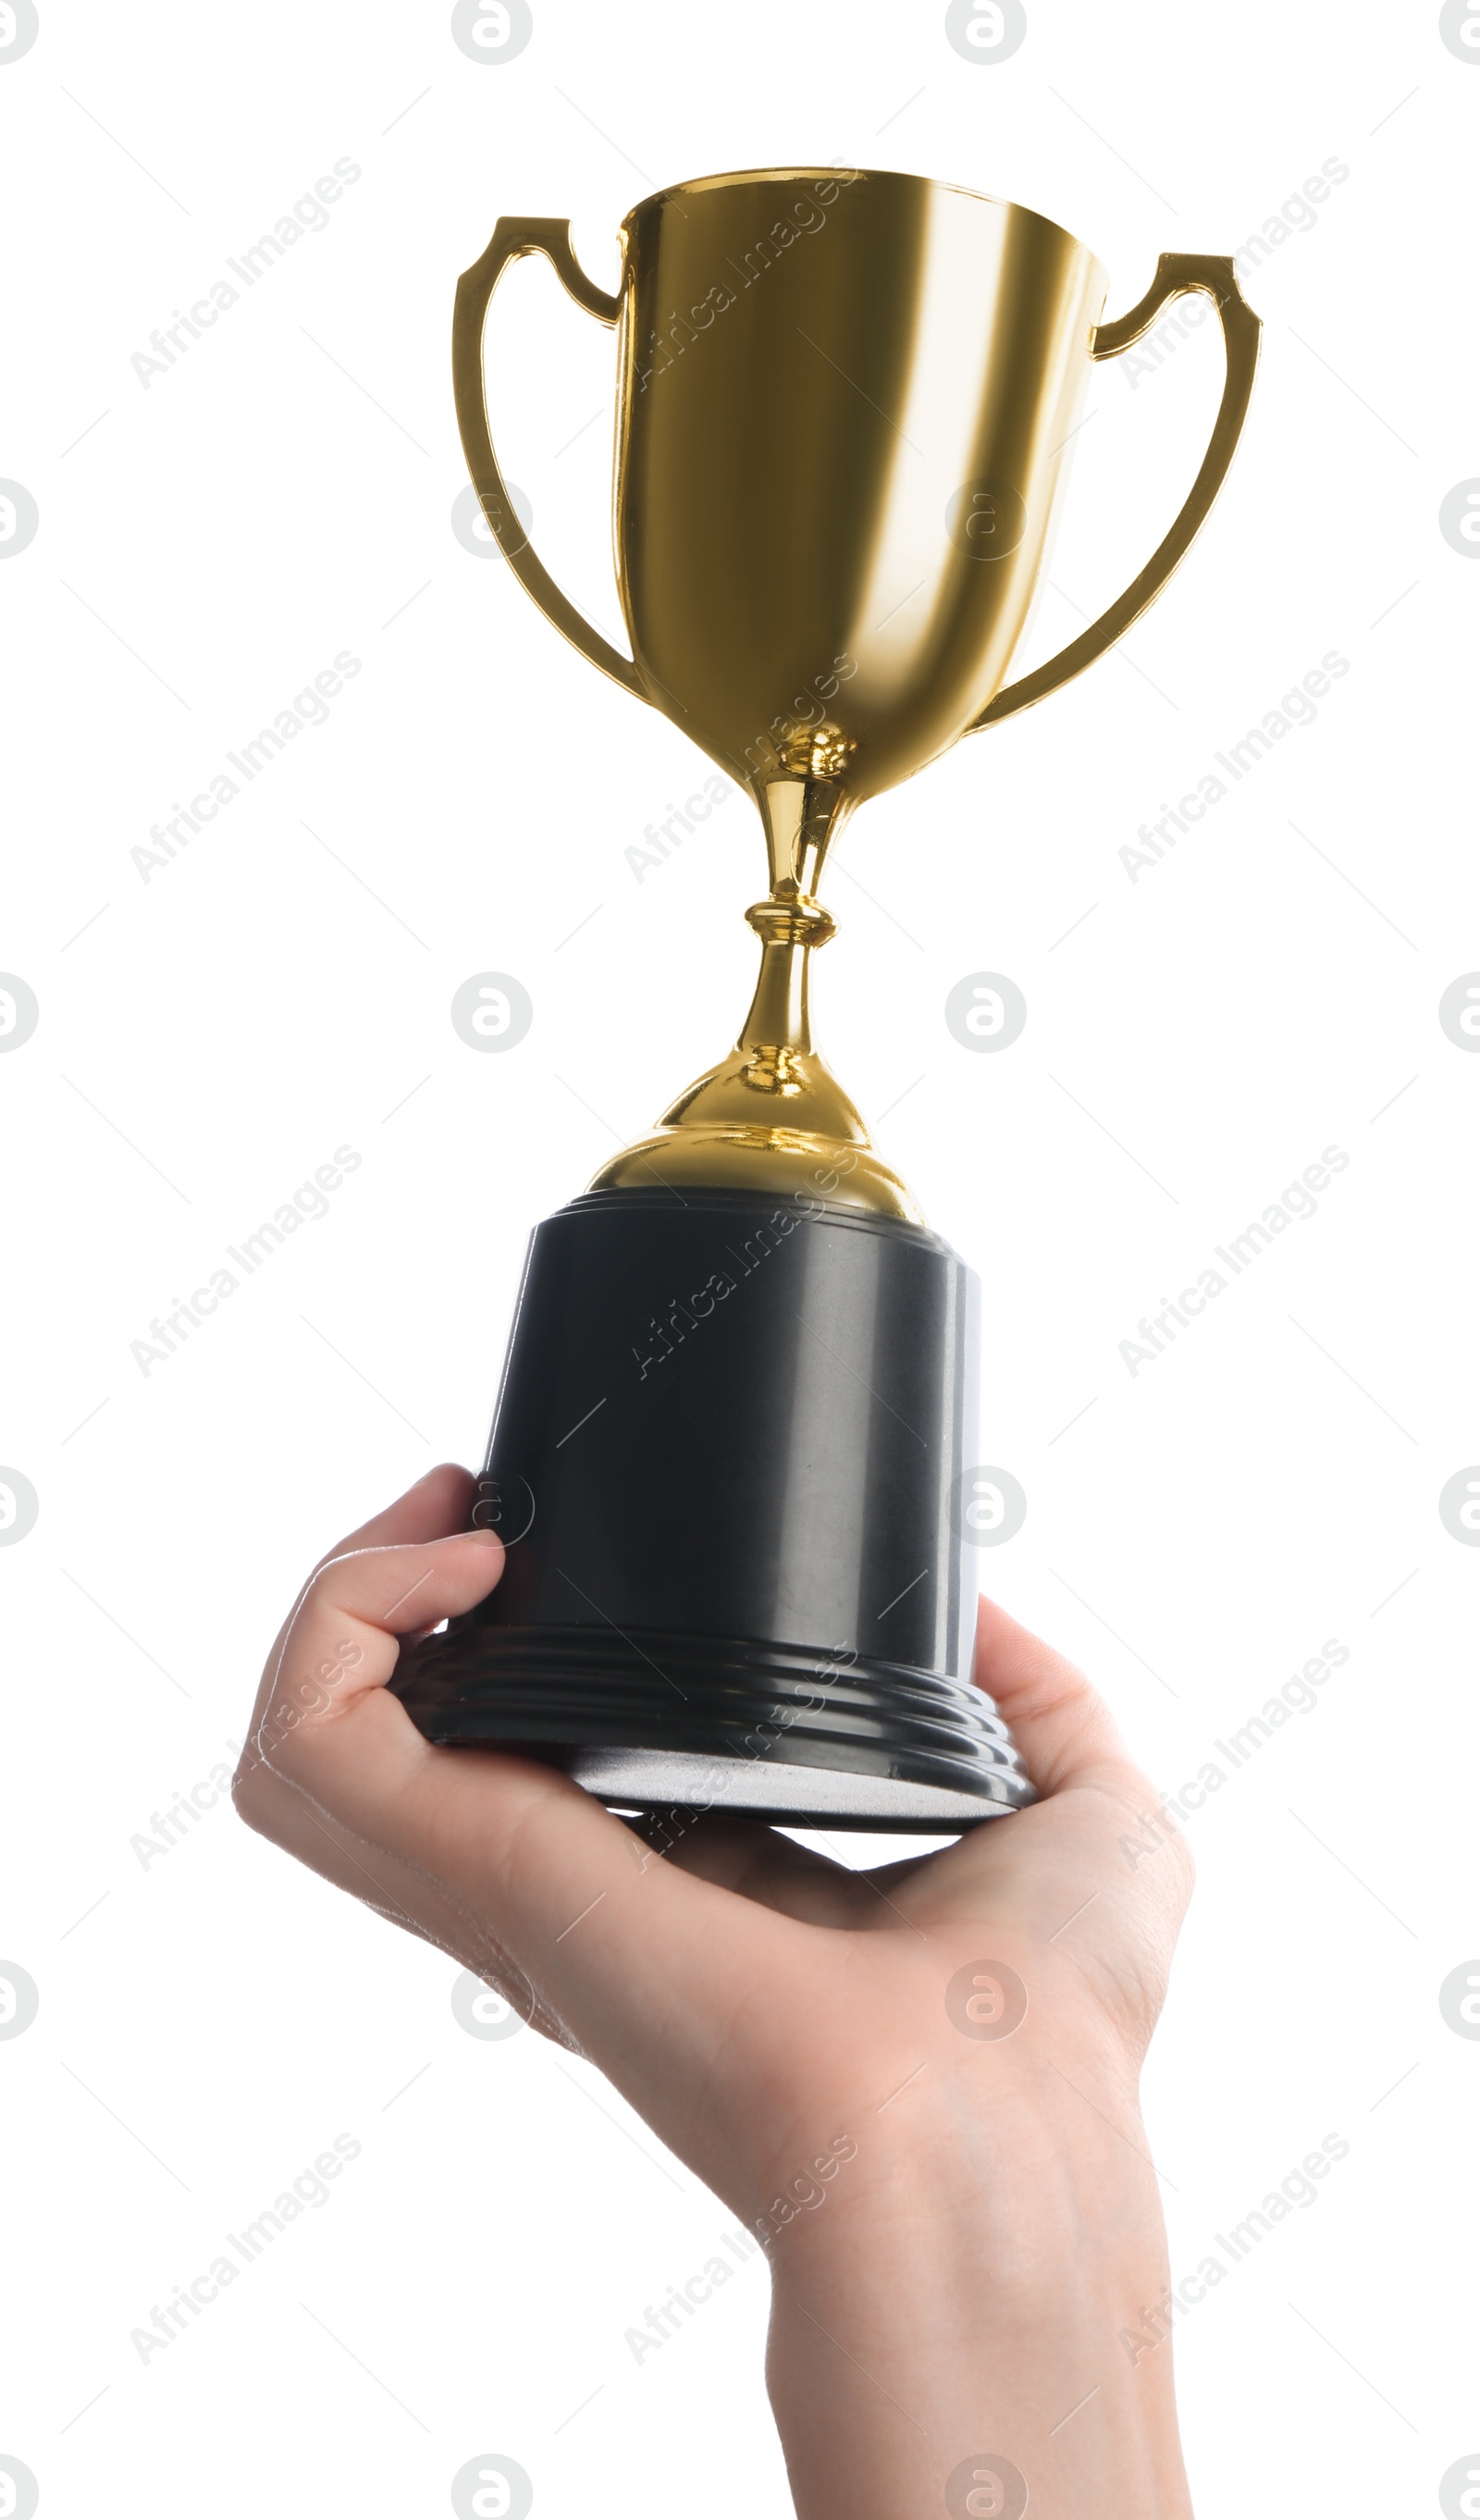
[959,2288]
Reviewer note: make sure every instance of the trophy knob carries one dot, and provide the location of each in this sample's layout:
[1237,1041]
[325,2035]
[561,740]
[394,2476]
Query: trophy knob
[814,752]
[800,920]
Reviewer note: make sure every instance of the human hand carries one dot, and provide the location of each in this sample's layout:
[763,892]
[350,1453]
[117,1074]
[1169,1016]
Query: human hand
[958,2203]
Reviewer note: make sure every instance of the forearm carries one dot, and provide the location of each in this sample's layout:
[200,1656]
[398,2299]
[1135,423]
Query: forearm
[964,2305]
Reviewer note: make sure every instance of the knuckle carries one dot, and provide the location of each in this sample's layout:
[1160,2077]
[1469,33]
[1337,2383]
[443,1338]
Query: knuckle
[250,1791]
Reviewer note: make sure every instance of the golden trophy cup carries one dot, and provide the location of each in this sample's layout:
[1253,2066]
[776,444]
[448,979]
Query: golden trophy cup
[733,1448]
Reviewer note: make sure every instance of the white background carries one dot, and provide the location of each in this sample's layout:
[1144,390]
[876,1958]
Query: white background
[209,1037]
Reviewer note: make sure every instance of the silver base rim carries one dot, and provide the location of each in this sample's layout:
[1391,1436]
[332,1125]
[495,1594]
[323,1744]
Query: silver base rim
[776,1790]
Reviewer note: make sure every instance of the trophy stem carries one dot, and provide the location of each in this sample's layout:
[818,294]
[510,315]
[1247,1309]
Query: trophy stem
[772,1119]
[778,1031]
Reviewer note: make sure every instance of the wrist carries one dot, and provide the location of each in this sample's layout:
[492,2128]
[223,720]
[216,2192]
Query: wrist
[966,2288]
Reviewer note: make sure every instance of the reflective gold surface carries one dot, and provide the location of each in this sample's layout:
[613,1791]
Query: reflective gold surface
[845,402]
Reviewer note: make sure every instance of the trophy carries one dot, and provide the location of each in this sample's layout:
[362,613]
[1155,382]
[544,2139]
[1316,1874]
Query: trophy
[734,1451]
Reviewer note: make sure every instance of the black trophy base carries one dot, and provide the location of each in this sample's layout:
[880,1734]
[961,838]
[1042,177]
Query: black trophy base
[727,1463]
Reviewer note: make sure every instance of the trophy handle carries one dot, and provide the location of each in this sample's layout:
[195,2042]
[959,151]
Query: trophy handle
[511,238]
[1175,275]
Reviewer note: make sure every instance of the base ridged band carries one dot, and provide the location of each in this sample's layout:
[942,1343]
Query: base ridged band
[736,1723]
